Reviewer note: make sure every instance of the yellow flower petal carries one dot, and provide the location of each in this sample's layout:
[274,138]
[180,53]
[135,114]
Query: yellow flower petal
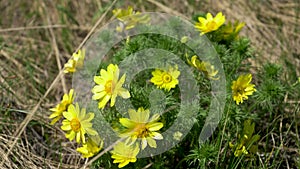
[126,122]
[91,131]
[99,95]
[71,135]
[155,126]
[98,88]
[157,136]
[121,165]
[67,114]
[55,120]
[144,143]
[151,142]
[66,126]
[104,101]
[124,93]
[209,16]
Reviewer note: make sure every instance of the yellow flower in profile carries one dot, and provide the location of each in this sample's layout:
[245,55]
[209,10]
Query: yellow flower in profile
[241,88]
[108,86]
[247,140]
[231,30]
[239,150]
[140,126]
[129,18]
[124,154]
[91,147]
[205,67]
[121,13]
[78,123]
[165,79]
[62,106]
[210,23]
[75,62]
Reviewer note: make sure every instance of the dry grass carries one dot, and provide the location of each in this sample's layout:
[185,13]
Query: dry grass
[37,38]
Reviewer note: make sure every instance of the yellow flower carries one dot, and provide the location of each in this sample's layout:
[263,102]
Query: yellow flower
[109,86]
[247,142]
[62,106]
[77,123]
[241,88]
[121,13]
[205,67]
[165,79]
[231,31]
[124,154]
[76,61]
[140,126]
[129,18]
[239,152]
[92,147]
[210,23]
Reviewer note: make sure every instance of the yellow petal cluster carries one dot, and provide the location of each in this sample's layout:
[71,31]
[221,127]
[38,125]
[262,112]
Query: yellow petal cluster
[75,62]
[129,18]
[108,86]
[141,126]
[242,88]
[78,123]
[62,106]
[124,154]
[165,79]
[205,67]
[93,145]
[210,23]
[231,30]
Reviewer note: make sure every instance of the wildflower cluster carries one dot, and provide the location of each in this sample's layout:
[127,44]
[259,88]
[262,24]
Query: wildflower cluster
[76,122]
[140,127]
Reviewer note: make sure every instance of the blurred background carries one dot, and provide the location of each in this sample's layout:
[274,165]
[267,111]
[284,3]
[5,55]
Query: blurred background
[38,36]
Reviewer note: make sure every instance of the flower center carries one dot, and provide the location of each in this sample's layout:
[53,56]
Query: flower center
[75,124]
[108,86]
[141,130]
[167,78]
[211,25]
[240,90]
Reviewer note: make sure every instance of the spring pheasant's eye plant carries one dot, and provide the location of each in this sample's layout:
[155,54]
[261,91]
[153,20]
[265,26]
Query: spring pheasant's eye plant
[124,154]
[129,18]
[143,104]
[141,126]
[210,23]
[91,147]
[109,86]
[62,106]
[166,79]
[75,62]
[77,123]
[242,88]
